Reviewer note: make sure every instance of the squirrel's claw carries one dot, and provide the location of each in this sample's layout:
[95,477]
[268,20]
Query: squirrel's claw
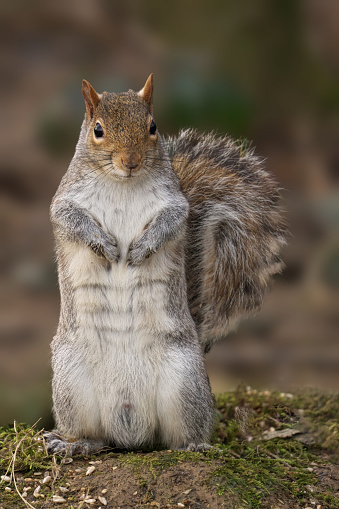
[55,444]
[97,249]
[109,250]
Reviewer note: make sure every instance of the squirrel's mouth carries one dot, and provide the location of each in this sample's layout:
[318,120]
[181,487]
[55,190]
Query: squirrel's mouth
[123,173]
[126,177]
[118,175]
[125,169]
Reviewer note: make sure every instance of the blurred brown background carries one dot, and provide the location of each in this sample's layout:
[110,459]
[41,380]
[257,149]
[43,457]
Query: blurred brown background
[260,69]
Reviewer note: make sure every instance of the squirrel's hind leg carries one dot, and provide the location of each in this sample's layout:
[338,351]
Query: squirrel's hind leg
[184,401]
[56,444]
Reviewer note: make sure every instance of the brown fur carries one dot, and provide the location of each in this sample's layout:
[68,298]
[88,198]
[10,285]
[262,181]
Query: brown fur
[91,97]
[236,229]
[147,92]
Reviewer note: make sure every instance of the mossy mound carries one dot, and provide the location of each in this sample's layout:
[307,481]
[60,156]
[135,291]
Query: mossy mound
[271,450]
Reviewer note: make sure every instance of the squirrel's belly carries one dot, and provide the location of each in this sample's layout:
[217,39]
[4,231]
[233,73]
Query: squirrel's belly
[124,315]
[119,299]
[123,326]
[112,389]
[122,365]
[127,398]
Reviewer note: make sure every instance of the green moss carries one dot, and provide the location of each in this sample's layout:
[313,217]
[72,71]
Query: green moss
[158,461]
[22,449]
[247,413]
[11,501]
[244,464]
[255,474]
[320,416]
[253,468]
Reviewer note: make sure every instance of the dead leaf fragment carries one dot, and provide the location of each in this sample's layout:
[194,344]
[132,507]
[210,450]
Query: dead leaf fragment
[283,433]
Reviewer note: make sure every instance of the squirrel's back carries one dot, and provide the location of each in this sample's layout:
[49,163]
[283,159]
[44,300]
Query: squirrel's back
[235,225]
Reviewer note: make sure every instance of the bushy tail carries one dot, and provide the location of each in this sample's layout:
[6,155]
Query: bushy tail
[236,229]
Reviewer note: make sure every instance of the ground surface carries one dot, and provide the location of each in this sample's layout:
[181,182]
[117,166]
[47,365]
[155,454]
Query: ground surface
[273,450]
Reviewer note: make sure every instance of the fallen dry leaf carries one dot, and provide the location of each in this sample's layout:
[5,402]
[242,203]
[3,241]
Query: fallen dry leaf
[284,433]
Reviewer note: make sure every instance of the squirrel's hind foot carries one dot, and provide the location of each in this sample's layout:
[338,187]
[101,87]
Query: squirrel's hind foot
[55,444]
[202,448]
[198,447]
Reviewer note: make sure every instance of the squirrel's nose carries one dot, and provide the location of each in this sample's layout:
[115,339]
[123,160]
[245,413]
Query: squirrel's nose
[130,160]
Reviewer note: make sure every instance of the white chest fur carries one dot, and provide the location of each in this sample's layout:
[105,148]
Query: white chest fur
[116,299]
[122,208]
[121,313]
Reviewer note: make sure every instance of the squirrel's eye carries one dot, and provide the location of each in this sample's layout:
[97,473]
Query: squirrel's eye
[152,127]
[98,130]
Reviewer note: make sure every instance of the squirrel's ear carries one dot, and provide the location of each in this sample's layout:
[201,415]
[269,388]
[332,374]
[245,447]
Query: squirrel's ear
[147,92]
[92,99]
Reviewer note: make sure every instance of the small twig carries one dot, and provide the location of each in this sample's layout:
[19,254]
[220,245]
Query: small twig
[81,503]
[55,471]
[278,458]
[13,460]
[8,471]
[274,420]
[236,455]
[13,466]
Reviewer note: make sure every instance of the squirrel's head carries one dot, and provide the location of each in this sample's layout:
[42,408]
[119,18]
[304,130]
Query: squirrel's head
[121,132]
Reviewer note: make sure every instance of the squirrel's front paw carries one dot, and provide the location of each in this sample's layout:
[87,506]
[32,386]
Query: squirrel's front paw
[106,248]
[138,253]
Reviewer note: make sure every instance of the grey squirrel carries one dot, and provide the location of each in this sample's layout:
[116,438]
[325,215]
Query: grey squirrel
[161,245]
